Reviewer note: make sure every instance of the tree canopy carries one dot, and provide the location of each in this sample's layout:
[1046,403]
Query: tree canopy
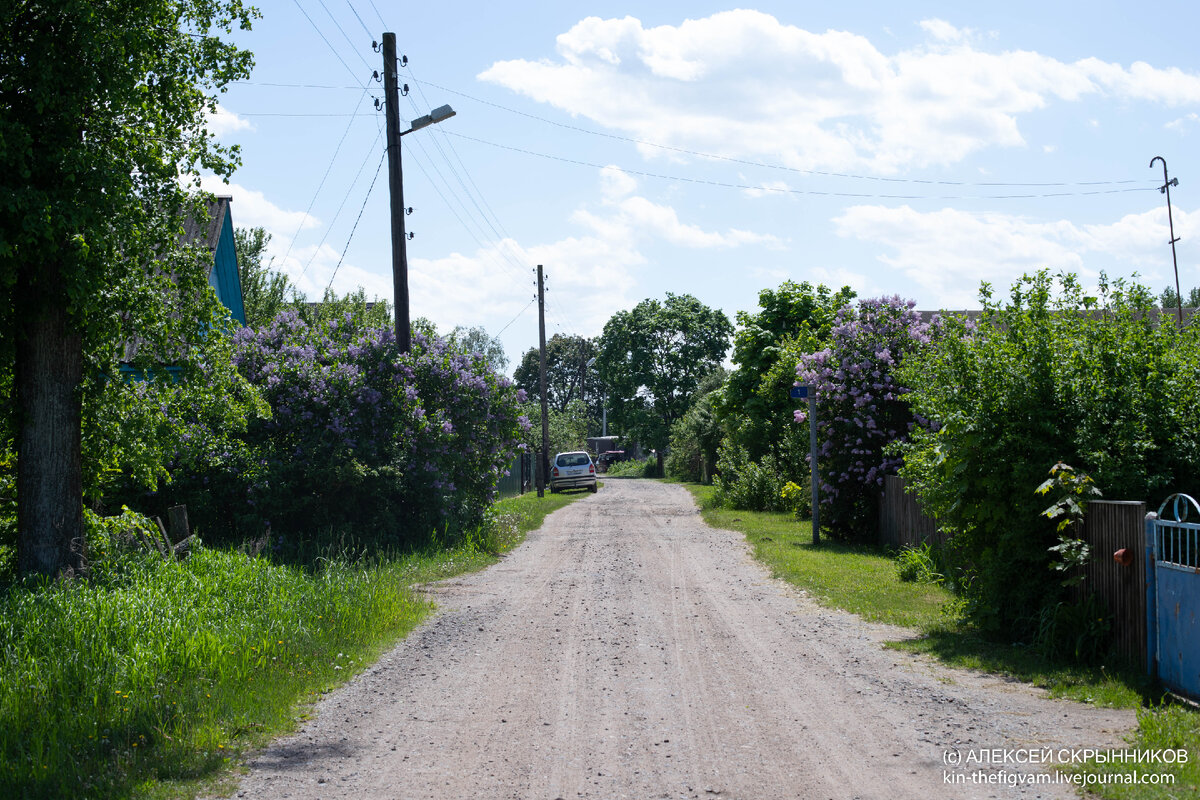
[265,292]
[568,377]
[103,114]
[652,359]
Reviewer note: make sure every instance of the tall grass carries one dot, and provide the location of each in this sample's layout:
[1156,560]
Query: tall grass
[166,670]
[158,674]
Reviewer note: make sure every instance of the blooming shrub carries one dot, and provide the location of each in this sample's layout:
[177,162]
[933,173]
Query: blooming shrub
[860,410]
[398,446]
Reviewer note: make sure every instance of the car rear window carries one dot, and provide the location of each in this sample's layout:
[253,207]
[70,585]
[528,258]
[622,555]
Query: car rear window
[573,459]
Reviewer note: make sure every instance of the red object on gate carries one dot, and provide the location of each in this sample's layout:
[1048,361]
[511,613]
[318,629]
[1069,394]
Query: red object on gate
[1124,556]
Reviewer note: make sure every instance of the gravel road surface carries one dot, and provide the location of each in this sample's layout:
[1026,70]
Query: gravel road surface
[627,650]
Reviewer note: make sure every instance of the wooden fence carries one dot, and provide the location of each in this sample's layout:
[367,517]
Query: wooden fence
[901,520]
[1109,526]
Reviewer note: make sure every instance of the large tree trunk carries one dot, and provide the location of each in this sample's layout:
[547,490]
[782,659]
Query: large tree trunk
[49,369]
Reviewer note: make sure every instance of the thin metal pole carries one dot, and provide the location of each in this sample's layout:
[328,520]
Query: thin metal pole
[1166,189]
[812,449]
[396,188]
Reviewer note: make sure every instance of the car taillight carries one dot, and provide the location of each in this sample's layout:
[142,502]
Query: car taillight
[592,468]
[554,472]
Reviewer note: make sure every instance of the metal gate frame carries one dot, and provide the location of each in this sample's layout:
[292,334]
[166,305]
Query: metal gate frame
[1173,595]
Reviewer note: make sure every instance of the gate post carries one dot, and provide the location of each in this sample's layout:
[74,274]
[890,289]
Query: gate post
[1151,597]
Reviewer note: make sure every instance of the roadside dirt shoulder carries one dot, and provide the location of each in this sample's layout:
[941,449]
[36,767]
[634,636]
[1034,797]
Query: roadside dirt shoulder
[627,650]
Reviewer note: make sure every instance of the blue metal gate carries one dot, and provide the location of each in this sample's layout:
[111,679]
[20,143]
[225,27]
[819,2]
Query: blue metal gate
[1173,595]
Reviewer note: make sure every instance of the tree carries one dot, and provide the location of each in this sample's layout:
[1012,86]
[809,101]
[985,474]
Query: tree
[1169,300]
[478,340]
[103,111]
[566,371]
[652,359]
[265,292]
[754,404]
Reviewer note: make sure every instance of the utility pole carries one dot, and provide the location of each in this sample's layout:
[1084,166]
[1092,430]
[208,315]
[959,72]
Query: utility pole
[391,92]
[1166,189]
[545,465]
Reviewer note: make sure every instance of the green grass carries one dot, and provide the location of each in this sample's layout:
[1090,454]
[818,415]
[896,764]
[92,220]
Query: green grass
[151,683]
[866,581]
[855,579]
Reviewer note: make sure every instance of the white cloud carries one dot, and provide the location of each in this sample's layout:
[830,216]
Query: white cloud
[1184,123]
[945,32]
[225,121]
[742,84]
[947,253]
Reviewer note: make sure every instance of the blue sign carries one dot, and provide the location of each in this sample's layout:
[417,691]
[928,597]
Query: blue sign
[799,392]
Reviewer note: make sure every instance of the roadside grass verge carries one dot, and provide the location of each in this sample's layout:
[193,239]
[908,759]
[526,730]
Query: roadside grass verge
[860,580]
[866,581]
[152,681]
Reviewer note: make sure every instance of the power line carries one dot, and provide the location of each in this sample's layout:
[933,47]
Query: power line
[354,228]
[324,177]
[346,36]
[514,319]
[360,19]
[505,236]
[336,54]
[337,213]
[381,19]
[762,164]
[300,114]
[811,192]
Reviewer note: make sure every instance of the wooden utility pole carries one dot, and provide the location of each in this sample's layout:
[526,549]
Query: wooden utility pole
[391,92]
[544,473]
[1166,189]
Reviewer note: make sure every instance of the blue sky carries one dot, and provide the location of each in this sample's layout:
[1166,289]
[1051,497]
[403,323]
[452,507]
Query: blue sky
[636,149]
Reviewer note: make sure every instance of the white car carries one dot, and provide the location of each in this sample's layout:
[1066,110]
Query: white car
[572,471]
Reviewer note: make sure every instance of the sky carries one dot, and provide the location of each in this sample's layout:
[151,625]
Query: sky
[639,149]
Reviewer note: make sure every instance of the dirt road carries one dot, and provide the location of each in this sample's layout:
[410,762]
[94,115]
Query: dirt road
[626,650]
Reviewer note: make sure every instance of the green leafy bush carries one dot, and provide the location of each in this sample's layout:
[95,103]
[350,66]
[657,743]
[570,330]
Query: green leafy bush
[797,499]
[1052,375]
[748,485]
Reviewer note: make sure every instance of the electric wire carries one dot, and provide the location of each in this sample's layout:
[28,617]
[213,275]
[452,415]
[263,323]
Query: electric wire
[713,156]
[345,35]
[809,192]
[324,177]
[357,219]
[329,44]
[376,10]
[499,238]
[360,19]
[762,164]
[489,250]
[503,233]
[514,319]
[341,205]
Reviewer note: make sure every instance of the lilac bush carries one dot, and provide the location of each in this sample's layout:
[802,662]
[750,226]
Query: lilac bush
[393,446]
[859,407]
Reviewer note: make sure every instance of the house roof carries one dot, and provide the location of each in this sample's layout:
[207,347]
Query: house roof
[208,231]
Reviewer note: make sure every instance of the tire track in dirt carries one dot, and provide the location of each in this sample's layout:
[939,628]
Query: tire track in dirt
[626,650]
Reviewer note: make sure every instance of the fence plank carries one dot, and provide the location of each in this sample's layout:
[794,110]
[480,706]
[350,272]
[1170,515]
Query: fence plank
[901,520]
[1108,527]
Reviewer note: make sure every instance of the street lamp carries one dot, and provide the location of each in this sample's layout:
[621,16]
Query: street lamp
[396,184]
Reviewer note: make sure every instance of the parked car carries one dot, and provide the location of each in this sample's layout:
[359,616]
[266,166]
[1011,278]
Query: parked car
[607,458]
[572,471]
